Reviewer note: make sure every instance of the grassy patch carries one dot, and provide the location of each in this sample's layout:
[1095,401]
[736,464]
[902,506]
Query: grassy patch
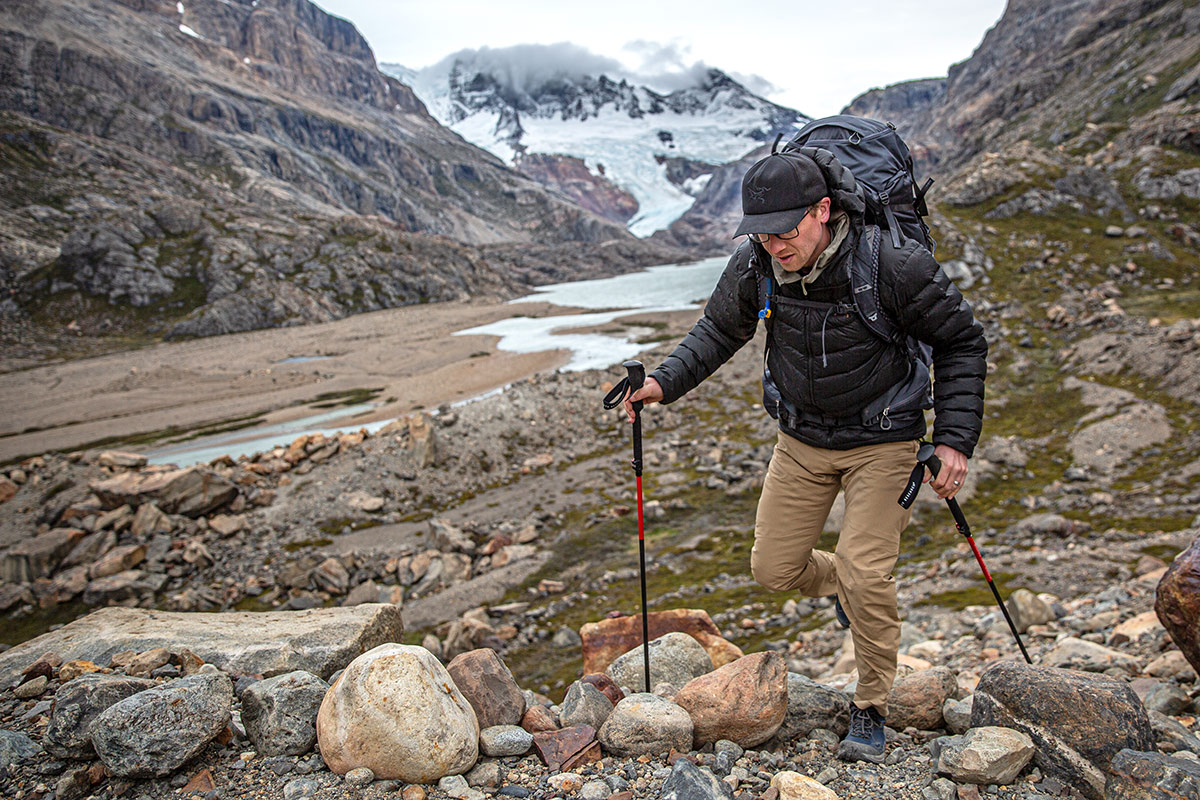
[337,525]
[346,397]
[975,595]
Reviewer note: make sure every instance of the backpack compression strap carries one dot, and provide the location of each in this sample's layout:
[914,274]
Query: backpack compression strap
[864,283]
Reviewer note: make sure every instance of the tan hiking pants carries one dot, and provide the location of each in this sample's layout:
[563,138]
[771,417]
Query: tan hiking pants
[798,491]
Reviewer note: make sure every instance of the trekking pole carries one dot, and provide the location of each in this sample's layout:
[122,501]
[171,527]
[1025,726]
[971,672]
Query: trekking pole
[926,458]
[628,385]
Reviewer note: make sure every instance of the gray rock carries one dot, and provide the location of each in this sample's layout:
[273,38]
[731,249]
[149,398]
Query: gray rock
[812,705]
[690,782]
[1166,698]
[1073,653]
[1077,721]
[1171,735]
[319,640]
[1028,609]
[1137,775]
[360,777]
[595,790]
[957,714]
[37,556]
[499,741]
[585,705]
[15,747]
[300,788]
[675,658]
[487,772]
[280,713]
[77,703]
[155,732]
[986,755]
[646,724]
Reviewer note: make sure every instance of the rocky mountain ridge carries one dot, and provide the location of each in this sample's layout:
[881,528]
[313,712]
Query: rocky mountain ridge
[223,166]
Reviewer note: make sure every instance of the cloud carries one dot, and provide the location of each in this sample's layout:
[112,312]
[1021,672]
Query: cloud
[663,66]
[528,66]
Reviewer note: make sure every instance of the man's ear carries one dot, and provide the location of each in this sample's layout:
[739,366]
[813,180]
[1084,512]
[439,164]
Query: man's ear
[824,208]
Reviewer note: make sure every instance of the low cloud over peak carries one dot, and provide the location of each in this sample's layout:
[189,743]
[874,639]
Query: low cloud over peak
[664,67]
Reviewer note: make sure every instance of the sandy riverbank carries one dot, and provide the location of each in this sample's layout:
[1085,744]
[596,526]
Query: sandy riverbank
[407,353]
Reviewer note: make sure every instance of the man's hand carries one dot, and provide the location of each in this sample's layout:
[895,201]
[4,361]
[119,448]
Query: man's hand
[650,392]
[953,473]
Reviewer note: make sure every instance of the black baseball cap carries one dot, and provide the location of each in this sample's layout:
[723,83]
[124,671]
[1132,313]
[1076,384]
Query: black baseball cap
[778,191]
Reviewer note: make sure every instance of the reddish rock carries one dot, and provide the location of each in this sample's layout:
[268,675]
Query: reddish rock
[1177,602]
[118,559]
[8,490]
[192,492]
[588,755]
[607,639]
[744,701]
[488,686]
[917,699]
[555,748]
[201,783]
[538,719]
[607,686]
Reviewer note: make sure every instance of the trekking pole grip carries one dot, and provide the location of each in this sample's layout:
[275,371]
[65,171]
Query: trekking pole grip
[637,378]
[925,458]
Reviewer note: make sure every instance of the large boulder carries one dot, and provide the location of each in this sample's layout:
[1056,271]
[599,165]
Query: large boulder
[154,732]
[280,713]
[1152,776]
[77,702]
[1078,721]
[812,705]
[489,687]
[192,492]
[319,640]
[1177,602]
[675,658]
[396,711]
[744,701]
[916,699]
[607,639]
[646,724]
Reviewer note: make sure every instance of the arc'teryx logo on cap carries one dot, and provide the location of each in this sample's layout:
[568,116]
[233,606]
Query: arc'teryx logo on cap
[759,193]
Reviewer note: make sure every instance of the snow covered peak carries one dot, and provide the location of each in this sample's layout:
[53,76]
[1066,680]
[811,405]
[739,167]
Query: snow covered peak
[564,100]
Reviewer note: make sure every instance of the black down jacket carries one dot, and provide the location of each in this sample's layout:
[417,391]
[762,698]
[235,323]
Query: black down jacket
[843,385]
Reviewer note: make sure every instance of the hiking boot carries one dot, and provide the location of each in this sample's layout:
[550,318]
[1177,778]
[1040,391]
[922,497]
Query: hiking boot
[866,740]
[840,612]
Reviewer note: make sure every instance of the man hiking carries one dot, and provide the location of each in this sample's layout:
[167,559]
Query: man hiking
[850,403]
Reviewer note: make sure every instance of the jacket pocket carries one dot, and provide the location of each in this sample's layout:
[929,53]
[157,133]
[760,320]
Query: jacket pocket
[903,404]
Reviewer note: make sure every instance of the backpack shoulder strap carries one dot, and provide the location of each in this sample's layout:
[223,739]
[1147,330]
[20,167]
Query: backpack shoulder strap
[864,285]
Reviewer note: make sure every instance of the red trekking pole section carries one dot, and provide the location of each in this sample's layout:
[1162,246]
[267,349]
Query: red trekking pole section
[926,458]
[628,385]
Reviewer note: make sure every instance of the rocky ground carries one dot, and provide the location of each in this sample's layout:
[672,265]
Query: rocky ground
[508,523]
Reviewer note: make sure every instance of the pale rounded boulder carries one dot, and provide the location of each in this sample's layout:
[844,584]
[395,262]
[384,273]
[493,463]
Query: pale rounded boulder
[396,710]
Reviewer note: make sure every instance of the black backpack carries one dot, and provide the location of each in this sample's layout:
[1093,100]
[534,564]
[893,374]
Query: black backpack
[880,161]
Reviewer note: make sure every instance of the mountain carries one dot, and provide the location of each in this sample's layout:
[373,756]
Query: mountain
[205,166]
[533,108]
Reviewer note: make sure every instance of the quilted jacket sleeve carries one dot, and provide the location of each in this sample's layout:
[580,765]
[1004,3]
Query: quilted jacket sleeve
[729,321]
[930,307]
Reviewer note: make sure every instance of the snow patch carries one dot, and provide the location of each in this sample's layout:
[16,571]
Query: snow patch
[179,7]
[189,32]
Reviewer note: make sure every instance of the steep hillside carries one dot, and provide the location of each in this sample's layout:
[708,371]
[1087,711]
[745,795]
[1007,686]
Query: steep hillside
[226,165]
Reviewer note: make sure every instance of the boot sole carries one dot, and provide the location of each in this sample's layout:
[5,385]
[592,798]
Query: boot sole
[851,751]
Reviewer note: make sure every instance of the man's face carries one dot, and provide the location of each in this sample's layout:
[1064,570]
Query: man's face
[811,239]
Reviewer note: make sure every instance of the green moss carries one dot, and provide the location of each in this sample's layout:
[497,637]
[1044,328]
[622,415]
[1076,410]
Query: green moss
[346,397]
[1164,551]
[977,595]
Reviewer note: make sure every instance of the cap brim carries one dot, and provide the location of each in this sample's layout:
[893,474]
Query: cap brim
[775,222]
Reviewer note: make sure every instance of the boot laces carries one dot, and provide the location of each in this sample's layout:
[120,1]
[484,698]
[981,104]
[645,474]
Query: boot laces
[860,722]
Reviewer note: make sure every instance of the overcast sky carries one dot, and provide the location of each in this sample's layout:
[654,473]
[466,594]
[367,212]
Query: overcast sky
[814,57]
